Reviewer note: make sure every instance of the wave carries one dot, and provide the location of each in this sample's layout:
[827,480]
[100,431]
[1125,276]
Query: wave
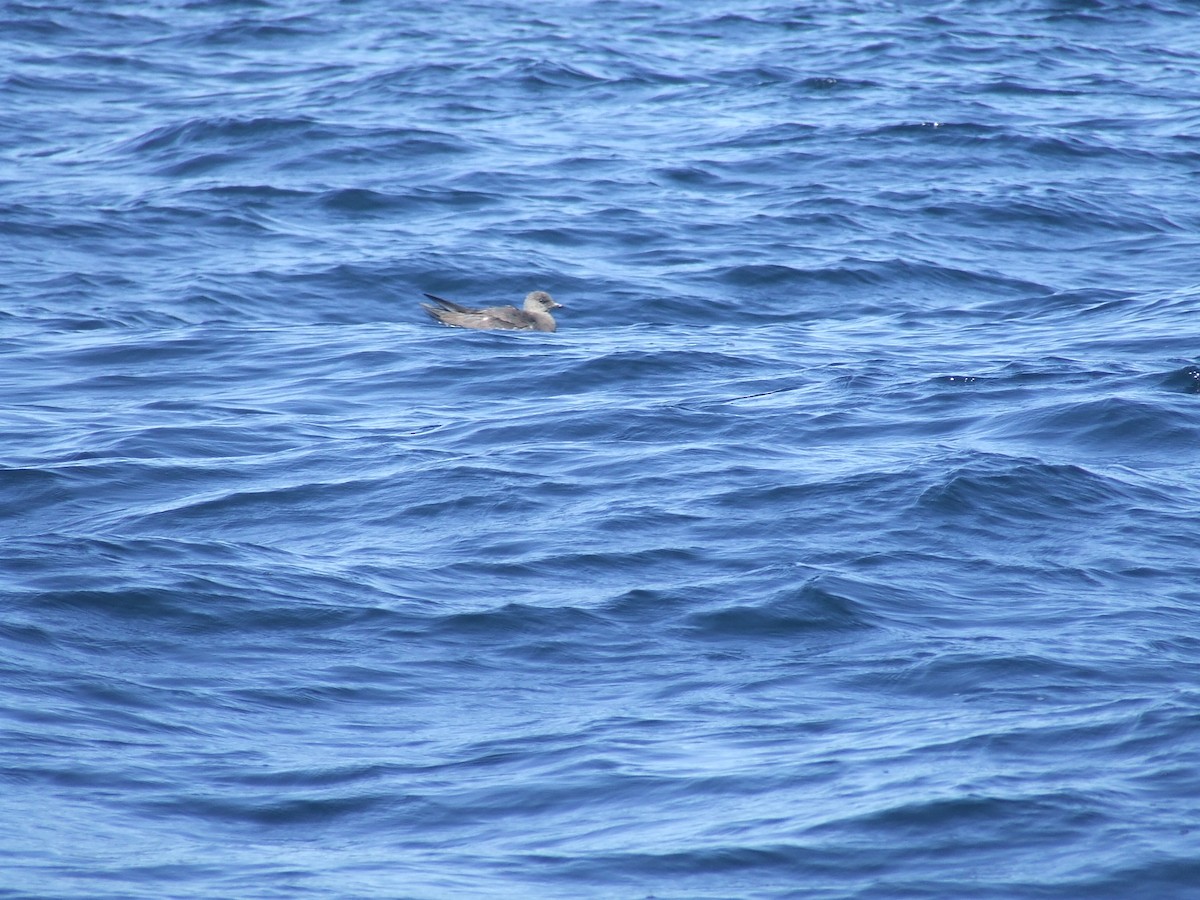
[839,543]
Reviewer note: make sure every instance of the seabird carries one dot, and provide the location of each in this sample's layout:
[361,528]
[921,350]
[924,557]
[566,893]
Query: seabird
[535,316]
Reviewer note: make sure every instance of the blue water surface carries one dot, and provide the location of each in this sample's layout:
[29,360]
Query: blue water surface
[840,544]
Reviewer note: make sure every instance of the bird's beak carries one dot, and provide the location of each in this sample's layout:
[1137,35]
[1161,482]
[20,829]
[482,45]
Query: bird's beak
[557,305]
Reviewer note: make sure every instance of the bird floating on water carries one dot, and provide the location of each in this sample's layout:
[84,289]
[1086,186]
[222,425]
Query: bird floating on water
[534,316]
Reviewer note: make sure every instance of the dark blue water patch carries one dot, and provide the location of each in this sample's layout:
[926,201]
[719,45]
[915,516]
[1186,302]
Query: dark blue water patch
[1109,426]
[543,73]
[171,214]
[37,87]
[898,275]
[31,23]
[1018,489]
[1019,87]
[272,813]
[1055,210]
[1097,12]
[23,490]
[970,674]
[1007,141]
[804,610]
[357,201]
[149,605]
[223,5]
[245,195]
[1185,380]
[22,220]
[832,84]
[179,148]
[538,639]
[69,296]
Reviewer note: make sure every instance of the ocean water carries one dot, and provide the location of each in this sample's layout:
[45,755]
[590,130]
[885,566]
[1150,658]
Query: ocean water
[842,542]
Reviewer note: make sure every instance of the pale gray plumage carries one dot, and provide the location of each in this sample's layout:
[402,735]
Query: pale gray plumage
[534,316]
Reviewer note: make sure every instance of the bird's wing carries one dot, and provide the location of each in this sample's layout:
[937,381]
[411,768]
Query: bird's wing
[450,304]
[510,316]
